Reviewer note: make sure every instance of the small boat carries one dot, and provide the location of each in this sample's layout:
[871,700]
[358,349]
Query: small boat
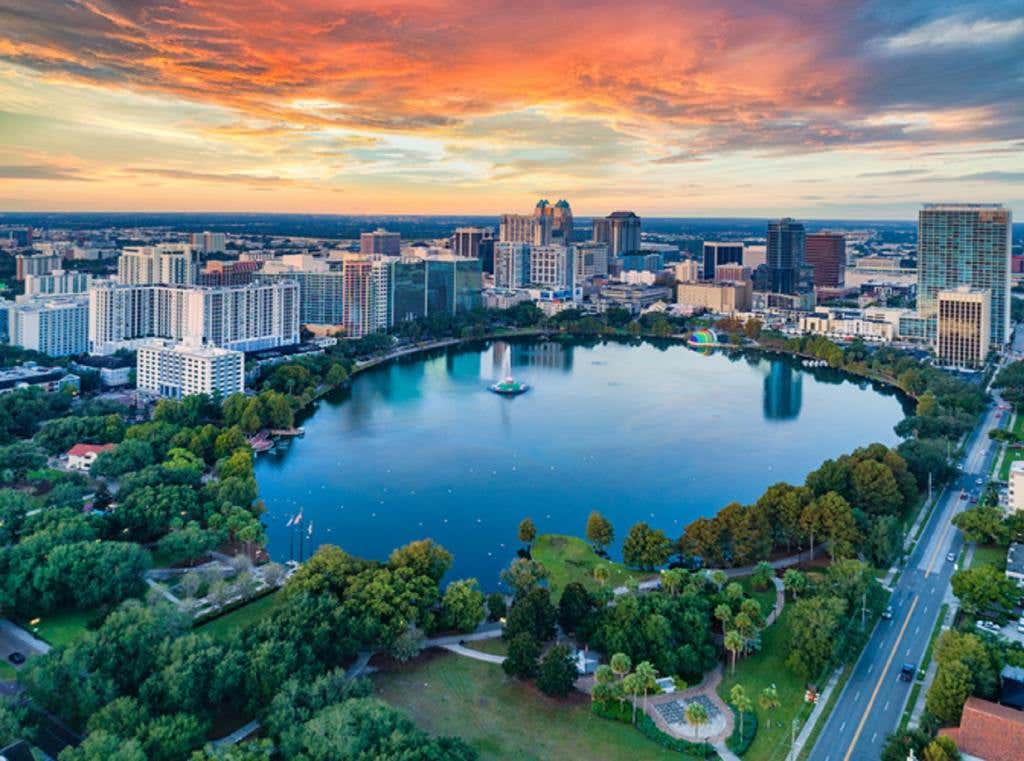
[509,387]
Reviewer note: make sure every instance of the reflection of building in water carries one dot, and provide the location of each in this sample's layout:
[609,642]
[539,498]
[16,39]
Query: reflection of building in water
[783,392]
[463,365]
[547,354]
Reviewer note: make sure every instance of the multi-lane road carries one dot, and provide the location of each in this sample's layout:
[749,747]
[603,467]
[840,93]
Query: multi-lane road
[871,703]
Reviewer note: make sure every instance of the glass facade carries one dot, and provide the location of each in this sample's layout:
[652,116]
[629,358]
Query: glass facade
[786,241]
[409,290]
[965,245]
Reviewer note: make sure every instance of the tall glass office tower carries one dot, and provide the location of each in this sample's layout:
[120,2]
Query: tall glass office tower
[786,241]
[965,245]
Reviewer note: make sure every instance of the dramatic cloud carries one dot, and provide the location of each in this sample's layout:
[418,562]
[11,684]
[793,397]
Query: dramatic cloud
[387,97]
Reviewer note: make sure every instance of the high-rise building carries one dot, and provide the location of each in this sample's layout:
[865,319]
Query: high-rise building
[366,297]
[686,271]
[409,289]
[175,370]
[732,273]
[552,266]
[716,253]
[963,331]
[525,228]
[466,242]
[218,272]
[754,255]
[208,243]
[826,252]
[380,241]
[35,264]
[620,230]
[785,255]
[58,282]
[454,284]
[511,264]
[320,288]
[562,228]
[591,260]
[162,264]
[55,325]
[965,244]
[246,318]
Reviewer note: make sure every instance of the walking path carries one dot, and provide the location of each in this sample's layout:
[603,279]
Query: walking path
[721,726]
[14,633]
[812,719]
[475,654]
[486,630]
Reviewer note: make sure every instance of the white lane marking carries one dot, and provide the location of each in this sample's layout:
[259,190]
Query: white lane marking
[856,697]
[885,709]
[842,726]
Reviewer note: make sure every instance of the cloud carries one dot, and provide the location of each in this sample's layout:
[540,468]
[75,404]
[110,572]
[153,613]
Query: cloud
[954,32]
[991,176]
[39,172]
[184,174]
[895,173]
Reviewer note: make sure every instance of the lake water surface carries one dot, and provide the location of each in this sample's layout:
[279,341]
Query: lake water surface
[420,447]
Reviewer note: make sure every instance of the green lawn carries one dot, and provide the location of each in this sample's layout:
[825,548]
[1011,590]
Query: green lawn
[225,626]
[762,670]
[7,672]
[61,629]
[496,646]
[764,597]
[1010,456]
[990,554]
[505,719]
[569,558]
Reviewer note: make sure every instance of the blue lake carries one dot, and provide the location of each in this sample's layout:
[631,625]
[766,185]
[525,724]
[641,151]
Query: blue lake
[664,434]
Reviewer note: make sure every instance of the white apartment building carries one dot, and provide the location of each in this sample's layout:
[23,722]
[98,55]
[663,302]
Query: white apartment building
[164,264]
[1015,492]
[208,242]
[834,325]
[176,370]
[57,326]
[58,282]
[552,266]
[245,317]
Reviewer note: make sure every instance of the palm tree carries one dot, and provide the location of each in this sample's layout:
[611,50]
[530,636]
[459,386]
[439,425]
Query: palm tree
[633,685]
[601,574]
[647,674]
[620,664]
[724,615]
[696,716]
[794,582]
[768,699]
[734,642]
[739,698]
[718,578]
[672,580]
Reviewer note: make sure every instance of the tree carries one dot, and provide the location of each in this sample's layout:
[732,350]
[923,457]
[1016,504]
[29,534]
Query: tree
[874,488]
[599,532]
[424,557]
[734,591]
[620,664]
[521,661]
[982,588]
[633,685]
[527,531]
[794,582]
[949,691]
[601,574]
[575,607]
[762,576]
[407,645]
[103,746]
[723,614]
[734,642]
[646,548]
[172,737]
[831,517]
[983,524]
[532,613]
[768,699]
[462,607]
[496,607]
[941,749]
[607,686]
[814,622]
[742,703]
[523,575]
[557,673]
[696,716]
[647,675]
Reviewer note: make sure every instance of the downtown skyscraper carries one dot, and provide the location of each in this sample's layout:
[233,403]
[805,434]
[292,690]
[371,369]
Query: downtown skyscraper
[786,241]
[965,245]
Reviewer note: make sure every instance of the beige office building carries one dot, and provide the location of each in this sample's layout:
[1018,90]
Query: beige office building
[525,228]
[963,326]
[724,298]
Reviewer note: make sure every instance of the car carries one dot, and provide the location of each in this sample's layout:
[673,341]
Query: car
[1020,626]
[978,482]
[908,672]
[988,626]
[951,557]
[963,495]
[974,500]
[16,658]
[887,613]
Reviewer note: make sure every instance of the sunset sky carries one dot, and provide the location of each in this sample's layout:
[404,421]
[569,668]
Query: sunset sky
[719,108]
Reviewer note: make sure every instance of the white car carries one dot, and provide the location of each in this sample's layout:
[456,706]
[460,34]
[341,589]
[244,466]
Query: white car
[988,626]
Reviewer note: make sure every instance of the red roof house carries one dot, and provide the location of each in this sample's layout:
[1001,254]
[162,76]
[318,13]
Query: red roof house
[82,456]
[989,731]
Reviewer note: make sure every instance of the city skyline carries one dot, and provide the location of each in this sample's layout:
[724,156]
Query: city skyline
[863,111]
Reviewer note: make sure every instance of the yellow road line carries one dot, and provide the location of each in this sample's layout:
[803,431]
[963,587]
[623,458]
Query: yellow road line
[878,684]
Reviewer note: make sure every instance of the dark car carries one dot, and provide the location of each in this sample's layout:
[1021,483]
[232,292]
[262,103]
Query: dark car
[908,672]
[16,658]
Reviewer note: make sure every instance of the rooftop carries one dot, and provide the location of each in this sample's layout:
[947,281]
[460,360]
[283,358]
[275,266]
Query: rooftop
[80,450]
[989,730]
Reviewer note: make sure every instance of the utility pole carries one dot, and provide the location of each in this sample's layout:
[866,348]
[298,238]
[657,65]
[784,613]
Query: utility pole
[792,741]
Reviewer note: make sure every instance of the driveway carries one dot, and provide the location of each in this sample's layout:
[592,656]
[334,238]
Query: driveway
[15,639]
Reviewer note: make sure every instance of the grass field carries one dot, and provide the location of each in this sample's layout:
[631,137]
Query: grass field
[505,719]
[225,626]
[764,597]
[762,670]
[990,554]
[569,558]
[63,628]
[7,672]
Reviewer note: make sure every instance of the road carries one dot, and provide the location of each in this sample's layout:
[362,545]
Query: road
[871,703]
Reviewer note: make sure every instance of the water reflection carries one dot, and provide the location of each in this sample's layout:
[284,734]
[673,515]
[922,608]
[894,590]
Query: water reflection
[783,391]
